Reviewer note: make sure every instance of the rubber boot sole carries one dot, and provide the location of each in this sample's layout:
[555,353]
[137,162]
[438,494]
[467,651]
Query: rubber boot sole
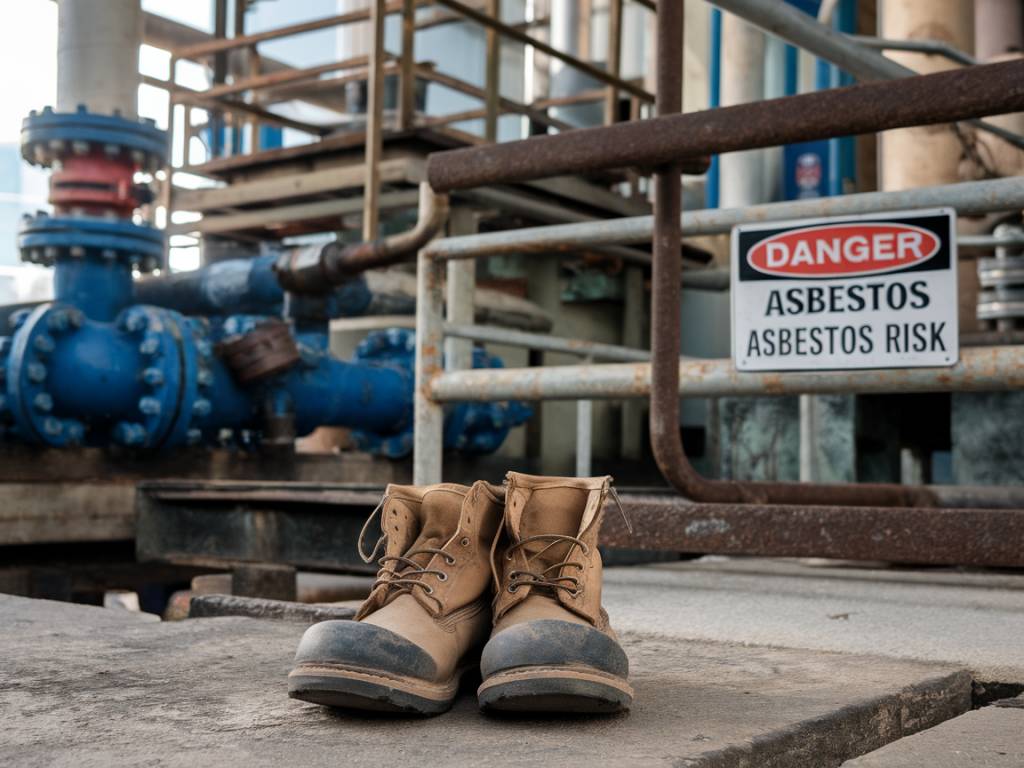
[370,690]
[554,689]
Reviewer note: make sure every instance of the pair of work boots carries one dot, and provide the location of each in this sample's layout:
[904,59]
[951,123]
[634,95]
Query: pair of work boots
[513,570]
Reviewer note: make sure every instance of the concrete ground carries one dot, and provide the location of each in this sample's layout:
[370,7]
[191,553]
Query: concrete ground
[735,663]
[975,620]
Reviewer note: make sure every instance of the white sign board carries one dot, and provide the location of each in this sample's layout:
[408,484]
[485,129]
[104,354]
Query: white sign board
[876,291]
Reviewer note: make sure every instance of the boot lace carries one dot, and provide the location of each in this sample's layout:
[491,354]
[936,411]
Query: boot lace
[571,584]
[518,578]
[389,573]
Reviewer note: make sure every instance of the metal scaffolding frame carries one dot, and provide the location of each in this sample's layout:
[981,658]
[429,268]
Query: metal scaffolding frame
[248,100]
[950,525]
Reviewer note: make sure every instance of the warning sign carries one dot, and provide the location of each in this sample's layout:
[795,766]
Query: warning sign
[875,291]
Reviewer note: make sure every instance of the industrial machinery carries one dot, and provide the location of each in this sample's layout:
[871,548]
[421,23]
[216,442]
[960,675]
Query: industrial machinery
[223,355]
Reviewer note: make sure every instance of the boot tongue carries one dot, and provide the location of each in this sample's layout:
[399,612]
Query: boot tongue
[438,516]
[551,511]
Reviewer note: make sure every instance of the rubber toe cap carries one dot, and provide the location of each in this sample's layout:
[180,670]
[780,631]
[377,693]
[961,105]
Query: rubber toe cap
[551,642]
[367,646]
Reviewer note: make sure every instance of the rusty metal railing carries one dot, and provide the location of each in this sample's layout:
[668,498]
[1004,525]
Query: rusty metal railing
[662,145]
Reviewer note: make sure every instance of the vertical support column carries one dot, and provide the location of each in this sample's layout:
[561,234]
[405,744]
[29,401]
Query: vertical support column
[611,99]
[809,471]
[631,441]
[493,75]
[165,194]
[407,78]
[926,155]
[460,289]
[428,416]
[186,150]
[998,27]
[255,69]
[98,56]
[584,435]
[374,118]
[741,173]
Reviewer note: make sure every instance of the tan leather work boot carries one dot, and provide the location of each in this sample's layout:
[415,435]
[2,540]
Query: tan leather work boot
[552,649]
[427,615]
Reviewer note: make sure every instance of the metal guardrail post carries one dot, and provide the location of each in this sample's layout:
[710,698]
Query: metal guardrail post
[584,435]
[459,289]
[428,414]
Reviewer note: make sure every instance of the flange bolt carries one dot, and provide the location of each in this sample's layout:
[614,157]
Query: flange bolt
[43,344]
[74,430]
[149,406]
[127,433]
[36,372]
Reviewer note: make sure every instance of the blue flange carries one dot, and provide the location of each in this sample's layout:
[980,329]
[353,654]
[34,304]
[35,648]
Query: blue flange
[44,239]
[28,397]
[46,136]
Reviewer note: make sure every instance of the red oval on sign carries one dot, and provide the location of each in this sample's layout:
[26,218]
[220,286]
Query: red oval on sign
[834,250]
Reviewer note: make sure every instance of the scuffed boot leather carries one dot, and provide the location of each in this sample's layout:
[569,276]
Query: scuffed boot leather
[552,649]
[427,615]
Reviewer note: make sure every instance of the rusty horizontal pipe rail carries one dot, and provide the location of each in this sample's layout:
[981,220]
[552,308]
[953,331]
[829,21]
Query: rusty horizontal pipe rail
[981,369]
[957,536]
[943,97]
[315,269]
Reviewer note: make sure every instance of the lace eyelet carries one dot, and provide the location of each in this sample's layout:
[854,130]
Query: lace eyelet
[429,589]
[508,556]
[449,559]
[442,577]
[575,593]
[465,541]
[513,588]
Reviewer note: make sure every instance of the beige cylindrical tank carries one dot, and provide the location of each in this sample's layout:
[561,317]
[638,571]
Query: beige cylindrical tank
[998,27]
[998,36]
[98,55]
[918,157]
[741,173]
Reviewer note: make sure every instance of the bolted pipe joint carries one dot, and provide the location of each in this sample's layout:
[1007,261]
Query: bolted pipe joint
[317,269]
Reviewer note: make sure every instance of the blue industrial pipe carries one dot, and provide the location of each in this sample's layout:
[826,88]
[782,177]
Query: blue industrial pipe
[181,359]
[242,286]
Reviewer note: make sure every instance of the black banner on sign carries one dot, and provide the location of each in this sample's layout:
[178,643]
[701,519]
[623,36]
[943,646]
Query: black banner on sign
[841,250]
